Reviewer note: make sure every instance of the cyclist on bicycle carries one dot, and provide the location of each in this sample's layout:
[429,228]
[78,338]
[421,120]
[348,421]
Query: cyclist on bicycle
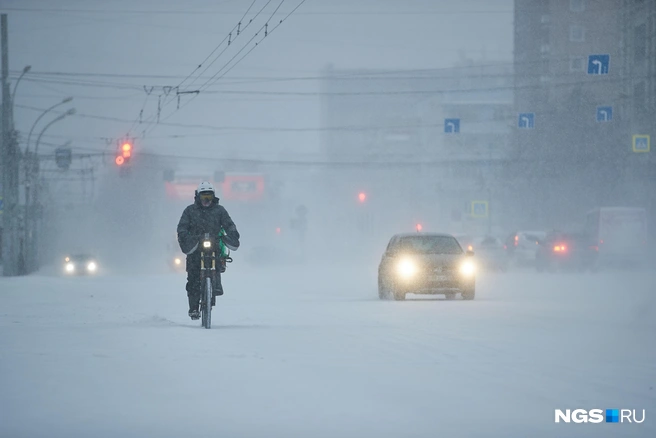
[205,215]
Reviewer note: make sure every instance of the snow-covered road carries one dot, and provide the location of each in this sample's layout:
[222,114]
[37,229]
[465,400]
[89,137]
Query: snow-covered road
[311,352]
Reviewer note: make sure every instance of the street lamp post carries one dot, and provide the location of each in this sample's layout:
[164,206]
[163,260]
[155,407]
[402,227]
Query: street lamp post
[13,246]
[68,99]
[70,112]
[26,69]
[28,161]
[31,224]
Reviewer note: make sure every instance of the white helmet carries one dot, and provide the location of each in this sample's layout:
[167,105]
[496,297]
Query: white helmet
[205,186]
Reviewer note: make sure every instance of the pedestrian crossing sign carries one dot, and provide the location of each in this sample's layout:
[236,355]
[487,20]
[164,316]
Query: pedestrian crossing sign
[479,209]
[641,143]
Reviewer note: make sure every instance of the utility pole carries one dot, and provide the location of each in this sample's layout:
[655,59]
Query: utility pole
[10,158]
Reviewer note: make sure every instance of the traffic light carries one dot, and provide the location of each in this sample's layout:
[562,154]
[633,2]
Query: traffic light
[124,153]
[126,150]
[362,197]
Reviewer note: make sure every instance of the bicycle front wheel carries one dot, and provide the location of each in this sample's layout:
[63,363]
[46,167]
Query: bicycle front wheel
[207,305]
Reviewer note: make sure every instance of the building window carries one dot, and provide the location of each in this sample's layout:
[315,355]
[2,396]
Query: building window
[577,33]
[640,43]
[576,5]
[576,64]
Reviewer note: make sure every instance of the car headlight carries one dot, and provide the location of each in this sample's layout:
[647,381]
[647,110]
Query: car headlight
[406,268]
[468,268]
[207,244]
[177,261]
[70,267]
[92,266]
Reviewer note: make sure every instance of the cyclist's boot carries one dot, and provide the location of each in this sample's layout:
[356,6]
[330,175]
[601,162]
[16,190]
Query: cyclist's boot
[193,309]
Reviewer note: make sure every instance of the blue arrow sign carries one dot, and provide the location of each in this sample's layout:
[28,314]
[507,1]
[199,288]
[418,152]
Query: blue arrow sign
[452,126]
[479,208]
[598,64]
[641,143]
[526,121]
[604,113]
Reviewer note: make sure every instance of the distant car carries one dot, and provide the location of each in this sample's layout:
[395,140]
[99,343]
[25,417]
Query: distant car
[490,254]
[566,251]
[177,262]
[466,241]
[522,246]
[175,258]
[426,263]
[80,264]
[620,234]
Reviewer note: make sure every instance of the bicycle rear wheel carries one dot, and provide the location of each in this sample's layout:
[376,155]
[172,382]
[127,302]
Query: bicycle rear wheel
[207,304]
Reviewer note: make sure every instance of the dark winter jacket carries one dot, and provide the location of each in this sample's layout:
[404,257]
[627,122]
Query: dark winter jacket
[197,220]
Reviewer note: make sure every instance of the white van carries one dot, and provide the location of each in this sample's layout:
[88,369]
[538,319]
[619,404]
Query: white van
[619,234]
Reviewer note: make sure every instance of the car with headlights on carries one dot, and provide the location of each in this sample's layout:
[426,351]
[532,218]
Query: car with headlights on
[426,263]
[177,263]
[80,264]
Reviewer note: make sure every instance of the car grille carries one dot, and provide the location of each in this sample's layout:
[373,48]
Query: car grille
[441,268]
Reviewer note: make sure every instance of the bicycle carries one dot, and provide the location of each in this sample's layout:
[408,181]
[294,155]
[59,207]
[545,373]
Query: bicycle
[210,246]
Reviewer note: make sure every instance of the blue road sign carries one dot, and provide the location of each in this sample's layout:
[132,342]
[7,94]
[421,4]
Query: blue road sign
[452,126]
[479,208]
[604,113]
[598,64]
[526,121]
[641,143]
[2,205]
[63,157]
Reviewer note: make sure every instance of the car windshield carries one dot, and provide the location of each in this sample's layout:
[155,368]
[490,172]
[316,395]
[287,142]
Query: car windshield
[81,257]
[489,242]
[569,237]
[429,244]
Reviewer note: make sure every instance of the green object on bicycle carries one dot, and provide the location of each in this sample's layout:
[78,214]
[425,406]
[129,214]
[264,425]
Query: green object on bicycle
[225,252]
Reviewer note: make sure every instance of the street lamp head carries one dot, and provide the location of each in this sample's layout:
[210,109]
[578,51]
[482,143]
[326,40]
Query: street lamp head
[68,99]
[27,68]
[70,112]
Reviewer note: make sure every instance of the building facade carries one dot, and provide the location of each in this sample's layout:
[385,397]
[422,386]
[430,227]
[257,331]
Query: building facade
[420,146]
[585,69]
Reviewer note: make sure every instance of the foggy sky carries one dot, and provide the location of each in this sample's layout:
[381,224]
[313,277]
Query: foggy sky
[147,38]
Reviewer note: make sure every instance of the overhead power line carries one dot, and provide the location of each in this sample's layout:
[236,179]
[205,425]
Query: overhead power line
[217,75]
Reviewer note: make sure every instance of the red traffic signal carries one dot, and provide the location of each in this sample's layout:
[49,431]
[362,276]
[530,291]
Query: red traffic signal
[126,150]
[124,153]
[362,197]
